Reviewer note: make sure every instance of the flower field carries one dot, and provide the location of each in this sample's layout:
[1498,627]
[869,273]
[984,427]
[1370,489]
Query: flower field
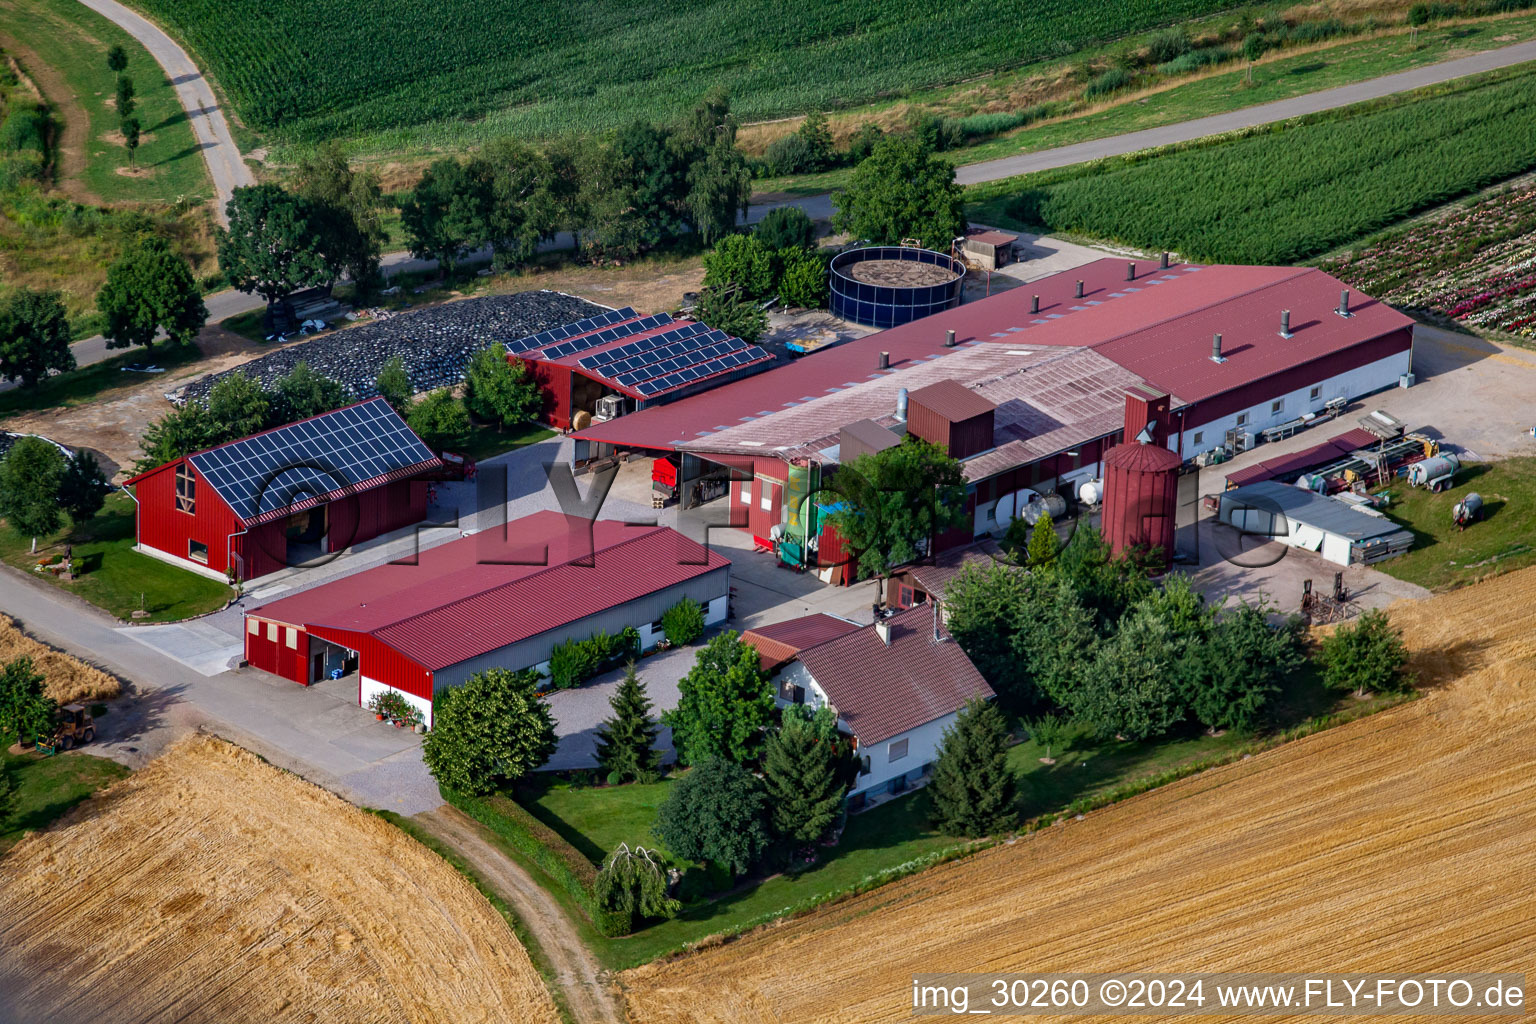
[1477,264]
[473,69]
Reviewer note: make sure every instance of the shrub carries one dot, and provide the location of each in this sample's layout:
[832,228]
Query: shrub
[716,813]
[863,142]
[789,155]
[936,132]
[633,885]
[1315,31]
[1368,655]
[575,661]
[786,227]
[1168,45]
[1111,81]
[683,623]
[804,281]
[1191,61]
[743,262]
[25,130]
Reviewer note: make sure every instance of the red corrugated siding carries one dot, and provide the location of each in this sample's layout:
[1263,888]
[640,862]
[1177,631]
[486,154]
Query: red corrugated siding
[555,381]
[164,528]
[1140,504]
[272,654]
[362,517]
[771,476]
[381,662]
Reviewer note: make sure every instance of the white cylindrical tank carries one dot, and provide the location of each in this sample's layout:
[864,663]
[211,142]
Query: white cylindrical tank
[1055,505]
[1438,467]
[1091,491]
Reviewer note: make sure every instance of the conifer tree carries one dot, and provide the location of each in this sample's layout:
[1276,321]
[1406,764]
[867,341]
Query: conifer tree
[973,790]
[801,773]
[625,742]
[1044,545]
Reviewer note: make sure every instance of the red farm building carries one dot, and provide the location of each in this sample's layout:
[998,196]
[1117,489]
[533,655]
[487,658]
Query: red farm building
[1028,389]
[284,496]
[504,598]
[620,362]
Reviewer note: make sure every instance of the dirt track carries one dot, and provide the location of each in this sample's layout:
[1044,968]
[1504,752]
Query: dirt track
[213,887]
[1401,842]
[586,988]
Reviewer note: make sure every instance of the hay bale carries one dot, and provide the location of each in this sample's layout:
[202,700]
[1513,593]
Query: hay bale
[69,680]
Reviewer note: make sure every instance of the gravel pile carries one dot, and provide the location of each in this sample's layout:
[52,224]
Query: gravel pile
[436,343]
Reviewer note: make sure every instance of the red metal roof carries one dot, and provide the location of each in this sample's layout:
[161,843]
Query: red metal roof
[991,237]
[1300,462]
[882,690]
[1158,327]
[481,593]
[951,400]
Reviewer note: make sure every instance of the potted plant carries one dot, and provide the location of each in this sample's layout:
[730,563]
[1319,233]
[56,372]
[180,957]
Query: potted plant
[376,705]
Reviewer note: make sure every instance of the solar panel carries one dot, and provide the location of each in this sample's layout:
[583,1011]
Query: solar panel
[272,471]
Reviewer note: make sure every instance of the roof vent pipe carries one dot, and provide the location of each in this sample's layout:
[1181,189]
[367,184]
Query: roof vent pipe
[1216,356]
[901,405]
[1079,289]
[1343,309]
[885,361]
[1285,323]
[1162,261]
[1130,271]
[949,339]
[1034,303]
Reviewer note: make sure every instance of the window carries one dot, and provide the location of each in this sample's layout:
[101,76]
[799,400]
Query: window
[1277,406]
[767,496]
[253,627]
[1199,437]
[864,765]
[293,638]
[992,512]
[746,492]
[272,631]
[1242,419]
[197,551]
[898,750]
[1316,393]
[186,490]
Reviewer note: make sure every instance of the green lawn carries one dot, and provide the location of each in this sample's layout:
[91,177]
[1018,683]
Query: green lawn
[46,787]
[486,440]
[1443,558]
[112,575]
[1281,77]
[96,381]
[72,40]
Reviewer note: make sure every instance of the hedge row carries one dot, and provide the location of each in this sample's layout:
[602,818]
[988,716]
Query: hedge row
[546,848]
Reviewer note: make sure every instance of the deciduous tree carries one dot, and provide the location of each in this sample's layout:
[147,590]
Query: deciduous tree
[177,433]
[440,420]
[26,711]
[896,502]
[349,205]
[123,100]
[804,279]
[633,882]
[488,731]
[743,262]
[973,789]
[717,813]
[132,134]
[786,227]
[303,393]
[34,336]
[395,386]
[902,191]
[726,309]
[1365,656]
[30,475]
[1242,665]
[1130,690]
[500,390]
[149,288]
[117,59]
[525,204]
[238,407]
[276,243]
[626,740]
[724,705]
[448,214]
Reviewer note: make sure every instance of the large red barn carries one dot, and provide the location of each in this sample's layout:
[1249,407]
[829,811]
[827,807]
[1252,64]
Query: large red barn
[500,599]
[274,499]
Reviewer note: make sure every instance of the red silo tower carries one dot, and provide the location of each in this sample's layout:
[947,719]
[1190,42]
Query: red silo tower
[1141,479]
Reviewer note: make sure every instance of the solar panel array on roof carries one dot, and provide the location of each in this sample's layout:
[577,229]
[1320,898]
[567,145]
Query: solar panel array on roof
[725,358]
[272,471]
[667,340]
[588,333]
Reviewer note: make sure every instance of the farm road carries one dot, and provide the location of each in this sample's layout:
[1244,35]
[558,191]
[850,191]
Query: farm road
[588,993]
[225,165]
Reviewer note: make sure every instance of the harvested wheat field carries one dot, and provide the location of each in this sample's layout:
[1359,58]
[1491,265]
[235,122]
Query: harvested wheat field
[1401,842]
[213,887]
[68,679]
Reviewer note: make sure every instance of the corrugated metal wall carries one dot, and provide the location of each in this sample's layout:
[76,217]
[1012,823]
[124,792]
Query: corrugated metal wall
[360,517]
[163,527]
[555,381]
[281,648]
[381,662]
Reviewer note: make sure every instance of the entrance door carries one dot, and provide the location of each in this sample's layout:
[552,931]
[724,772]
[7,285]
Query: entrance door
[317,667]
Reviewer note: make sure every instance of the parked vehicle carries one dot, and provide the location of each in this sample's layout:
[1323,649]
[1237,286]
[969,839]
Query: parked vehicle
[72,726]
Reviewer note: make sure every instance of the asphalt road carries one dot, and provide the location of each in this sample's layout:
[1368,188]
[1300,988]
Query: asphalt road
[225,165]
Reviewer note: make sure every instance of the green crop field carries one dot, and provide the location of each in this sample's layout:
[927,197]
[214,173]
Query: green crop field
[1294,190]
[313,69]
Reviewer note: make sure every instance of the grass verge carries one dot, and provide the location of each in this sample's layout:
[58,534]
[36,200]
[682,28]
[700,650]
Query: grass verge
[113,576]
[96,381]
[486,440]
[536,952]
[47,787]
[1443,558]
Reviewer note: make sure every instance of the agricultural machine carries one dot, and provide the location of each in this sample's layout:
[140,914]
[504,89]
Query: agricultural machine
[1467,511]
[72,725]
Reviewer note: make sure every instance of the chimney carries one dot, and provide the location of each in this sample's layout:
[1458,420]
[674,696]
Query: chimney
[885,361]
[937,636]
[1216,356]
[1130,271]
[1162,261]
[1343,309]
[883,629]
[1034,304]
[901,405]
[1079,289]
[1285,323]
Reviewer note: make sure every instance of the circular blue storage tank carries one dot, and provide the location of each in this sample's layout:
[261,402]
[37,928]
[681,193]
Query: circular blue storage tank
[887,285]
